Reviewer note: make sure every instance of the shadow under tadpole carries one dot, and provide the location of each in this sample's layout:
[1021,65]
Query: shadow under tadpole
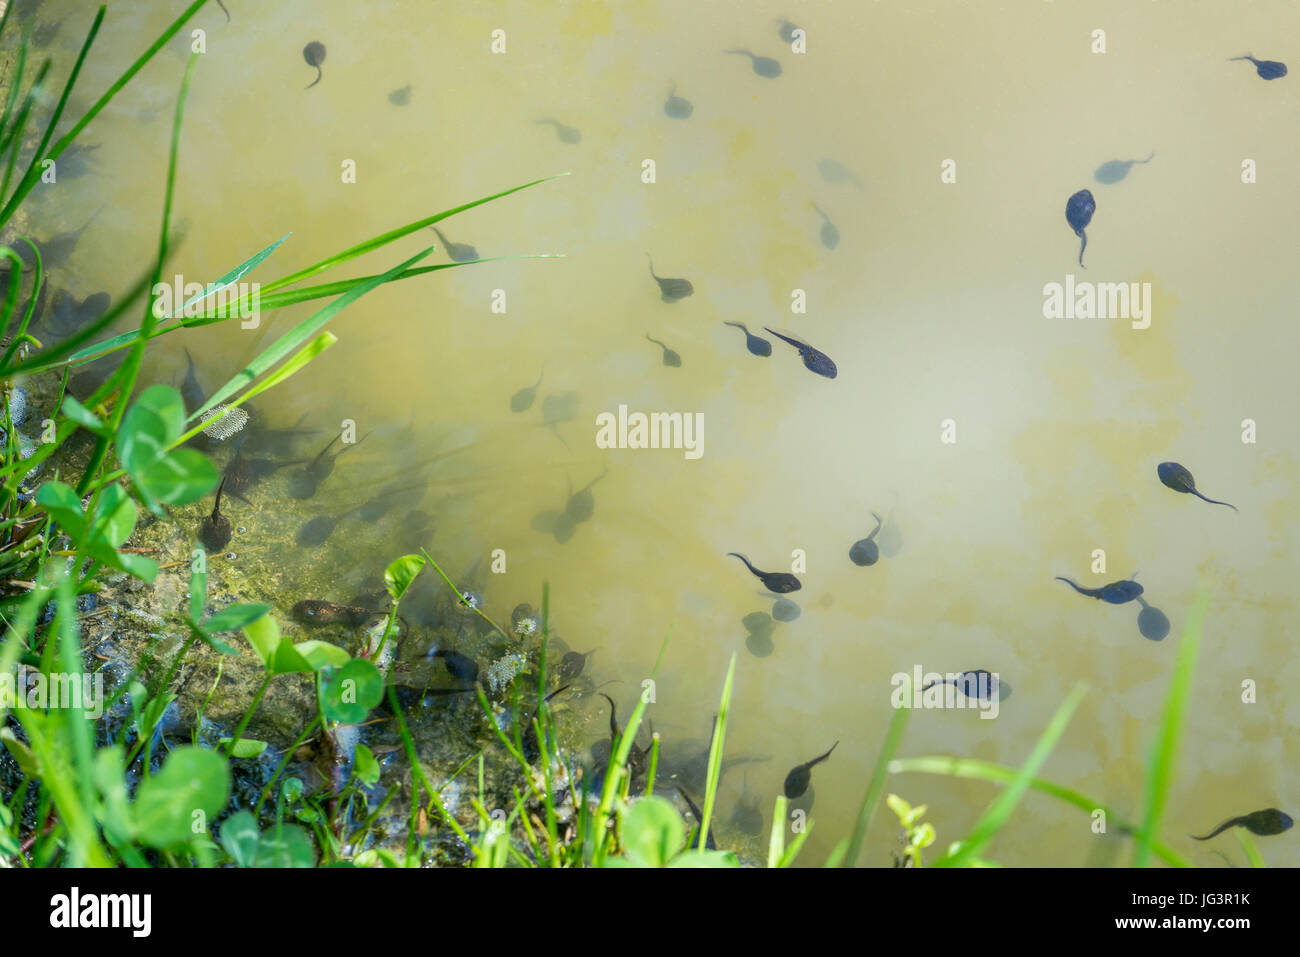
[760,626]
[1152,622]
[783,609]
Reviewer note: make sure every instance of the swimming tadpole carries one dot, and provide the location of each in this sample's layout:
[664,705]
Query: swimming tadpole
[214,532]
[400,97]
[780,582]
[797,781]
[1078,213]
[757,345]
[56,250]
[671,290]
[305,482]
[461,667]
[671,359]
[835,172]
[865,551]
[1115,170]
[1267,69]
[1265,823]
[763,65]
[457,252]
[813,359]
[565,134]
[314,54]
[979,684]
[786,29]
[523,400]
[830,234]
[1174,476]
[314,611]
[582,503]
[1116,593]
[638,757]
[572,664]
[676,107]
[699,817]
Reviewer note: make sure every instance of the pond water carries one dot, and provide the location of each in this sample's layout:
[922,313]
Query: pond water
[941,142]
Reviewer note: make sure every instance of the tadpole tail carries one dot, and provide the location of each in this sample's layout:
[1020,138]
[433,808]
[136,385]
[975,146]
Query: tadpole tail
[1073,585]
[745,560]
[1212,501]
[1216,832]
[315,81]
[1084,236]
[224,10]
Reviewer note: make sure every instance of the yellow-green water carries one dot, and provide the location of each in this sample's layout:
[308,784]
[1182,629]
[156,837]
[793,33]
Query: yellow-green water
[931,305]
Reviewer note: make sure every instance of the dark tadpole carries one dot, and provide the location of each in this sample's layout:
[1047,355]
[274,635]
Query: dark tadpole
[523,400]
[1153,624]
[638,757]
[865,551]
[458,252]
[55,251]
[830,233]
[1116,593]
[671,358]
[572,664]
[461,667]
[671,290]
[1264,823]
[316,531]
[755,344]
[835,172]
[676,107]
[70,315]
[566,134]
[314,54]
[979,684]
[400,97]
[1116,170]
[74,161]
[242,472]
[786,29]
[214,532]
[191,391]
[780,582]
[1174,476]
[797,781]
[763,65]
[1267,69]
[313,611]
[305,481]
[1078,213]
[813,359]
[582,503]
[708,838]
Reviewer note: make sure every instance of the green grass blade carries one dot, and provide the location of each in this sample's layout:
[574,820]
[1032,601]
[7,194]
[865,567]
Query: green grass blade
[715,753]
[1000,812]
[29,180]
[1001,774]
[876,789]
[392,235]
[776,840]
[299,334]
[1248,845]
[1160,769]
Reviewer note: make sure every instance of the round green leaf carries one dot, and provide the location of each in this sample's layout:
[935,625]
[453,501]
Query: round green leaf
[652,831]
[352,691]
[239,838]
[399,575]
[175,805]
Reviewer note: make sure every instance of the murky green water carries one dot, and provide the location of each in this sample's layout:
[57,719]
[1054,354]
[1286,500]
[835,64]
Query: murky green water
[931,304]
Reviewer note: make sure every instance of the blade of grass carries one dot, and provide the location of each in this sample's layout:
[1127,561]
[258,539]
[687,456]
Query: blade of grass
[1248,845]
[1160,769]
[876,789]
[1000,812]
[715,752]
[1001,774]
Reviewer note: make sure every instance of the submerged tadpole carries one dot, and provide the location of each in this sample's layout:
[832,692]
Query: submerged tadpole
[780,582]
[757,345]
[763,65]
[797,781]
[671,290]
[671,358]
[214,532]
[813,359]
[314,54]
[1174,476]
[1078,213]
